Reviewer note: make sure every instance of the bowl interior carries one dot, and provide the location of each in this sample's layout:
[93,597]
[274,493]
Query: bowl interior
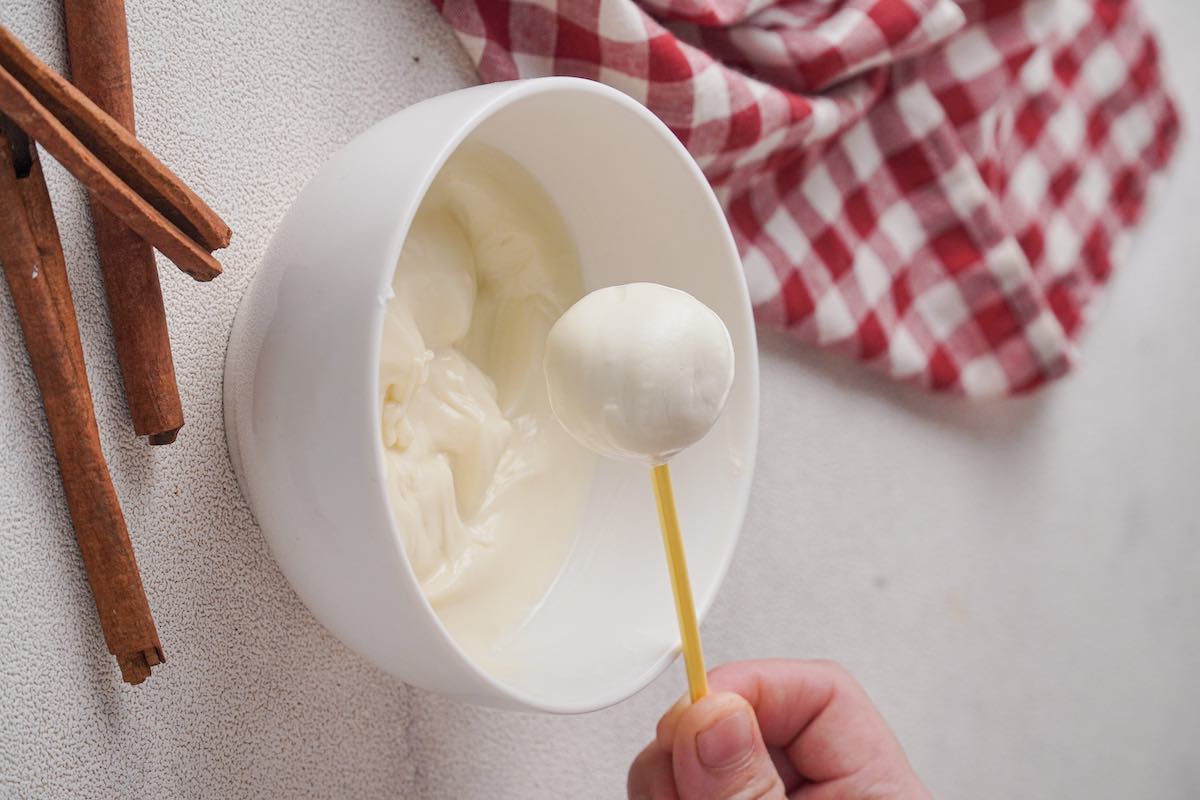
[639,211]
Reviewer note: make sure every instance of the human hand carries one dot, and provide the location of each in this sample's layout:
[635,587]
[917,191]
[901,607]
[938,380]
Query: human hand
[775,729]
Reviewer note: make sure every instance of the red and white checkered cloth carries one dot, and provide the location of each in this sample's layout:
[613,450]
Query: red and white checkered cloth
[937,188]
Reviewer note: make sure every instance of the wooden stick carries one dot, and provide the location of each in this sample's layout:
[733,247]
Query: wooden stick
[32,117]
[681,585]
[37,279]
[113,145]
[98,46]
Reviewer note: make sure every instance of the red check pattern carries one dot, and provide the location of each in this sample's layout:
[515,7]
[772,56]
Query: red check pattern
[937,188]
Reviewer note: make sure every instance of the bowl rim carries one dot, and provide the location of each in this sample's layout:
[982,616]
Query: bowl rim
[514,92]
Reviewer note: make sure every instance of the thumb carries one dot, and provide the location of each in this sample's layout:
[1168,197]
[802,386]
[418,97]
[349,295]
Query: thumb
[718,752]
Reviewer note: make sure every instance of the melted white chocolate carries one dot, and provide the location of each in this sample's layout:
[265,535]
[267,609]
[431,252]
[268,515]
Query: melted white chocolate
[485,486]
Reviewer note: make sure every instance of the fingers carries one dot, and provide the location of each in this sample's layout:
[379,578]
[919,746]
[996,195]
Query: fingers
[651,776]
[813,711]
[719,754]
[783,765]
[664,734]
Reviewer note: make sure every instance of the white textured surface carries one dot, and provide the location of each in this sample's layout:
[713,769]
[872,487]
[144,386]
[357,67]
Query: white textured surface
[1014,582]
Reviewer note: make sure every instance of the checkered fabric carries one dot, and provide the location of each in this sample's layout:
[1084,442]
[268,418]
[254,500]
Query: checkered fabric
[936,188]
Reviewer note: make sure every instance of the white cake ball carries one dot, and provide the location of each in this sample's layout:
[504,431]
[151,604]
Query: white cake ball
[639,371]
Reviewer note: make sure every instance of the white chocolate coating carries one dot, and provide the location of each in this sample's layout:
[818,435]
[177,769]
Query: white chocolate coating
[486,489]
[639,371]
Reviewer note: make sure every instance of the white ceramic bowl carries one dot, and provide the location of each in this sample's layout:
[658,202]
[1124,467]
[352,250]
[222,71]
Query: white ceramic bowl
[301,399]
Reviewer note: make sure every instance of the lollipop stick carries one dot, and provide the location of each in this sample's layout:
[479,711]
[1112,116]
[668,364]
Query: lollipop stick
[685,609]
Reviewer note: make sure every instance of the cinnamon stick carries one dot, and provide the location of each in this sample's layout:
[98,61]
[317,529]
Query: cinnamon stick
[112,144]
[37,121]
[35,271]
[98,46]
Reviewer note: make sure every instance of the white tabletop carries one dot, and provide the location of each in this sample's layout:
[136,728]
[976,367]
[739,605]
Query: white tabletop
[1014,582]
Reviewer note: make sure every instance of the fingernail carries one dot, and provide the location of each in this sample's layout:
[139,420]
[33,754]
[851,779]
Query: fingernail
[726,741]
